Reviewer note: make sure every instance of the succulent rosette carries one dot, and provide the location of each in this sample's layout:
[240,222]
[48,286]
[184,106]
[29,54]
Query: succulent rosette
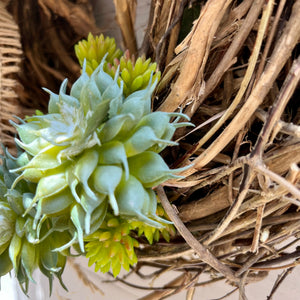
[112,245]
[22,247]
[153,234]
[135,73]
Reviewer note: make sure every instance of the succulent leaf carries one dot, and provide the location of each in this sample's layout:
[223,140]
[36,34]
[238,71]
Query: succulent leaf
[7,220]
[5,263]
[106,179]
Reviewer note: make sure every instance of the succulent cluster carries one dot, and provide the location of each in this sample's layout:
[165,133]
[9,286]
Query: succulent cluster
[133,73]
[86,175]
[24,248]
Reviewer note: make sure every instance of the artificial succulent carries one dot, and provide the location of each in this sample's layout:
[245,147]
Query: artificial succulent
[91,164]
[96,147]
[151,233]
[112,245]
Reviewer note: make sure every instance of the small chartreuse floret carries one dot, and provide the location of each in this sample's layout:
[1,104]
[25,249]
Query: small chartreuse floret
[111,246]
[136,73]
[94,49]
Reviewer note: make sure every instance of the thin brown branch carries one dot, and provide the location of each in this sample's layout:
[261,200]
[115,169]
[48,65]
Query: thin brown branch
[251,261]
[242,283]
[257,229]
[278,261]
[228,294]
[286,128]
[270,38]
[280,180]
[203,252]
[168,288]
[83,277]
[125,15]
[247,180]
[279,280]
[284,96]
[170,28]
[238,143]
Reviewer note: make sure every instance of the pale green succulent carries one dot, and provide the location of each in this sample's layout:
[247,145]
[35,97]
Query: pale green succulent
[96,147]
[24,248]
[92,162]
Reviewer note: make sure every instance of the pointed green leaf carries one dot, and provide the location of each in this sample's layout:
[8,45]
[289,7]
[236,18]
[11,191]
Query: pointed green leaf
[5,263]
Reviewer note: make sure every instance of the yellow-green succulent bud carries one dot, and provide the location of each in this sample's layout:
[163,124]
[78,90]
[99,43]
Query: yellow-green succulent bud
[151,233]
[137,73]
[94,49]
[134,73]
[111,246]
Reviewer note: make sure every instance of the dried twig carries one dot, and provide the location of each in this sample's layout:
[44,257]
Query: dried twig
[81,274]
[197,55]
[246,79]
[228,59]
[203,253]
[125,14]
[257,228]
[169,288]
[279,280]
[245,184]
